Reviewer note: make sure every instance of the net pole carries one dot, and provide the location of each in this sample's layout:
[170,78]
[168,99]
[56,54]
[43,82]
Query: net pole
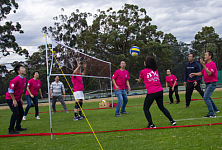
[111,85]
[47,66]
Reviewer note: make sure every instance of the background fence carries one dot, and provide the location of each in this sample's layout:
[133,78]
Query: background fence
[171,57]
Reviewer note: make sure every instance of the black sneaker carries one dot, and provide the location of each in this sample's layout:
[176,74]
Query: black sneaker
[151,126]
[82,117]
[177,102]
[13,132]
[173,122]
[21,129]
[171,102]
[210,116]
[217,111]
[124,112]
[118,115]
[77,118]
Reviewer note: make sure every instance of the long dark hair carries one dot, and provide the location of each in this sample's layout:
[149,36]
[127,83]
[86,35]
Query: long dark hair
[151,63]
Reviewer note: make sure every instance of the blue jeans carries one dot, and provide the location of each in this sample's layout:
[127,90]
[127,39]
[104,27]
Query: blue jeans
[35,101]
[207,98]
[122,98]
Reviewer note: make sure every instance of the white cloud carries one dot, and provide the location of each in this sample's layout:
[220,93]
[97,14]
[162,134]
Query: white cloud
[181,18]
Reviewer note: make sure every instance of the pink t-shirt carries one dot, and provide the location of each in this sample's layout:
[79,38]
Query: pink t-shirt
[212,68]
[171,80]
[77,83]
[151,80]
[120,78]
[34,86]
[17,85]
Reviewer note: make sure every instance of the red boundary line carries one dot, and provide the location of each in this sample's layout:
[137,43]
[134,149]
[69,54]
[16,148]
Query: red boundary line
[66,133]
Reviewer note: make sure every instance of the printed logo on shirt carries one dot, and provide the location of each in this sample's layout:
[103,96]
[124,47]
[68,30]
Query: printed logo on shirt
[38,84]
[12,85]
[190,67]
[152,76]
[28,84]
[24,84]
[171,79]
[212,70]
[126,76]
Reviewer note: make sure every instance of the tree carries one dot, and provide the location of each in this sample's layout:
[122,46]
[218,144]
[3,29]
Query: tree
[208,40]
[68,29]
[7,38]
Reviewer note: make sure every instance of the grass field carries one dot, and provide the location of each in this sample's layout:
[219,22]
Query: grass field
[202,137]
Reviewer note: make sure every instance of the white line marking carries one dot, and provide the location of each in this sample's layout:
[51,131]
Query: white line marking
[195,118]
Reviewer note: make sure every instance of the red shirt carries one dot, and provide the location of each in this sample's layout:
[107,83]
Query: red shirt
[171,80]
[17,85]
[151,80]
[120,78]
[212,68]
[77,83]
[34,86]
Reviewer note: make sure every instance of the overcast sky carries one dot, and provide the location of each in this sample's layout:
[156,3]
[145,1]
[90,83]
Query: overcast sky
[182,18]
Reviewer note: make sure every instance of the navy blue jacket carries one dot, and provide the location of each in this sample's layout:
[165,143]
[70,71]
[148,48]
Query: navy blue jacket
[193,67]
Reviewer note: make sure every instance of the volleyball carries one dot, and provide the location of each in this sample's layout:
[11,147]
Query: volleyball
[103,101]
[135,51]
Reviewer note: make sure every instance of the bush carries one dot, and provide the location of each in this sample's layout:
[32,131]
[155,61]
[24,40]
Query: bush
[2,99]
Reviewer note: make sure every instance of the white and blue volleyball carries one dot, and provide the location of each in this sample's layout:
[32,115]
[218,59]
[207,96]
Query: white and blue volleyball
[103,101]
[135,51]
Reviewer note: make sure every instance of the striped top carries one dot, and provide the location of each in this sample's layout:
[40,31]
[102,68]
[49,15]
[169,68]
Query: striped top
[57,88]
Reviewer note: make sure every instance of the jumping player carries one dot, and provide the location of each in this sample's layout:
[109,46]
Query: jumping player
[78,91]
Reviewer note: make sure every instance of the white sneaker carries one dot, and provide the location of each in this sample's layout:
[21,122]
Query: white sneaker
[37,117]
[24,118]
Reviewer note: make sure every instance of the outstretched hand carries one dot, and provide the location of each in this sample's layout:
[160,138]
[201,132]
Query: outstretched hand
[202,62]
[192,74]
[84,64]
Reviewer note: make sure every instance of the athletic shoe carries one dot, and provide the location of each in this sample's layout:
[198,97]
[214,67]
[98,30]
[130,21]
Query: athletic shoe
[77,118]
[171,102]
[21,129]
[177,102]
[67,111]
[53,112]
[13,132]
[24,118]
[186,107]
[210,116]
[82,117]
[124,112]
[151,126]
[118,115]
[217,111]
[37,117]
[173,122]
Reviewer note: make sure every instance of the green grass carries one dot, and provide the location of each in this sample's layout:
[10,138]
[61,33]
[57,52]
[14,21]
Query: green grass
[203,137]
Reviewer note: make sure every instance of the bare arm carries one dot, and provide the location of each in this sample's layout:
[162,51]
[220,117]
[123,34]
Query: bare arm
[13,100]
[84,65]
[174,84]
[40,92]
[29,92]
[114,82]
[196,74]
[167,86]
[51,94]
[139,80]
[127,83]
[205,68]
[77,68]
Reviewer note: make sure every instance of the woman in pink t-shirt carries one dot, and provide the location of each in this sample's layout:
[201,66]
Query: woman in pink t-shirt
[78,91]
[172,80]
[150,77]
[33,87]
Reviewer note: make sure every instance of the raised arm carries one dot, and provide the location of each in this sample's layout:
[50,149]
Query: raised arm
[77,68]
[84,65]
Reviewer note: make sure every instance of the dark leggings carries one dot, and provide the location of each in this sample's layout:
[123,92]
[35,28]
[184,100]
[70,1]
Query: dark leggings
[158,96]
